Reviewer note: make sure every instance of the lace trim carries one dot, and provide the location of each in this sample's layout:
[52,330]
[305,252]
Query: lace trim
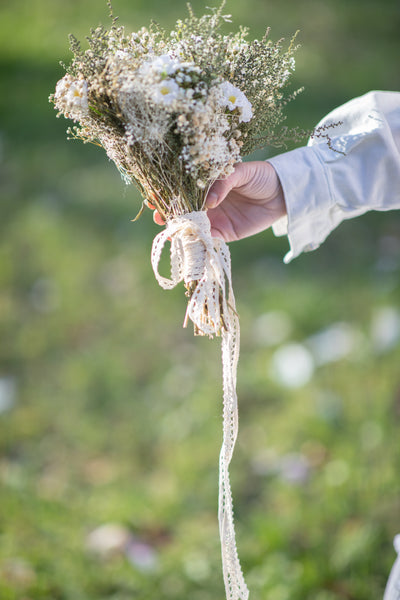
[203,263]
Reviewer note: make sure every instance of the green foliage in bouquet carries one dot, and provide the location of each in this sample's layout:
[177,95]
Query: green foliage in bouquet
[176,110]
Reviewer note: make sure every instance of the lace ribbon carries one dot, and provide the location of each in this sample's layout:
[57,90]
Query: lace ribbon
[197,257]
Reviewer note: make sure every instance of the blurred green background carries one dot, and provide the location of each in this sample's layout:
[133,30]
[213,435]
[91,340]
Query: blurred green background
[110,412]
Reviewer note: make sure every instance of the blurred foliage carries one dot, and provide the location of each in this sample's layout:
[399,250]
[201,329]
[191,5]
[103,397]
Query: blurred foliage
[110,412]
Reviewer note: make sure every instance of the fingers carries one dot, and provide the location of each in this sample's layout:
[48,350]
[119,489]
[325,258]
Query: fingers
[243,174]
[221,188]
[216,233]
[254,182]
[157,218]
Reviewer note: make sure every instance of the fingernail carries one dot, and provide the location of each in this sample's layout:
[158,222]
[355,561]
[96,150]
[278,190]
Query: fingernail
[212,199]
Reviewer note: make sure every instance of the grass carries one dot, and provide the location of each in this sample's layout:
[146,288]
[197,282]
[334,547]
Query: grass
[116,411]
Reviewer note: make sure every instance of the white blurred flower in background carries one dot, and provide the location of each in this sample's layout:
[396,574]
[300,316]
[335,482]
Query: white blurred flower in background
[335,342]
[8,393]
[292,365]
[385,328]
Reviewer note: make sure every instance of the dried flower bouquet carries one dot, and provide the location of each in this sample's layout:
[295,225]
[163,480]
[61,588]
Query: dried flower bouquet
[175,111]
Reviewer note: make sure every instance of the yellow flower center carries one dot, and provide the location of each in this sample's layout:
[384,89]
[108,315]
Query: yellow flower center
[165,90]
[232,99]
[77,93]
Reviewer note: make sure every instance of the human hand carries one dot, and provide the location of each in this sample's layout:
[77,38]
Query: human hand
[247,202]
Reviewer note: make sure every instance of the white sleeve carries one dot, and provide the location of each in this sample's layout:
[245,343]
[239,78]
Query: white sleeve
[392,591]
[358,171]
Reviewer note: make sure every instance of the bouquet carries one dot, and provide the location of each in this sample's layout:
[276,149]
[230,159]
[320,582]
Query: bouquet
[175,111]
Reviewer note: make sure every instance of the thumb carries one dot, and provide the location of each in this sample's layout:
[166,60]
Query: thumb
[221,188]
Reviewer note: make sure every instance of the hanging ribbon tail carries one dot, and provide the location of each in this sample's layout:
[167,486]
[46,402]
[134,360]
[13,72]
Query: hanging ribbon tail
[235,585]
[197,257]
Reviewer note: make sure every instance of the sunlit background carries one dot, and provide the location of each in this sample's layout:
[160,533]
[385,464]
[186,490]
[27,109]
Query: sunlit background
[110,412]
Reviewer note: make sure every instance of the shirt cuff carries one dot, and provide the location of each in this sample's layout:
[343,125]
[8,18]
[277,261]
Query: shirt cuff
[311,213]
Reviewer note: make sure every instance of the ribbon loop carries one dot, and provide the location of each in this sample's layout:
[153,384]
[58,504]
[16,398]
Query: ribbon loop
[198,258]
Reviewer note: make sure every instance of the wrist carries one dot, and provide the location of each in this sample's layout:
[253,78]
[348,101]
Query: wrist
[277,202]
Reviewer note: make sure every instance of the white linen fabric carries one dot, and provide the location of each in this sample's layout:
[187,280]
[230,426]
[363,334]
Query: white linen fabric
[392,591]
[358,171]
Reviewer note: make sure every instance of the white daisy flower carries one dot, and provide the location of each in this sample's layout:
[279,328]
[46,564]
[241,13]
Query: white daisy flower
[166,91]
[72,96]
[233,98]
[165,64]
[160,65]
